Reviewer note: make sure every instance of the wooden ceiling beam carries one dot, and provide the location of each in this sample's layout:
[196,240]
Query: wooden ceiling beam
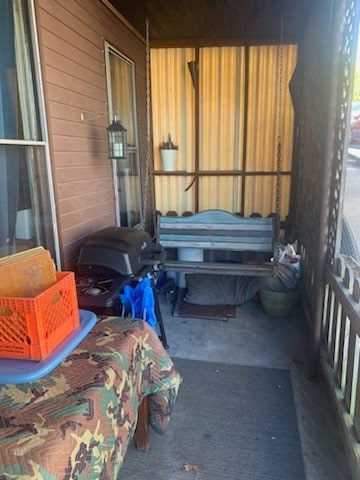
[217,42]
[216,22]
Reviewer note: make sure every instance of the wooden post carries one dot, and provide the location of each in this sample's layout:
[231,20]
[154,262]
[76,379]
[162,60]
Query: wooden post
[142,427]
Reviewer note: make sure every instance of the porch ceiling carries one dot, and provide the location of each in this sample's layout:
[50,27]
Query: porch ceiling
[204,22]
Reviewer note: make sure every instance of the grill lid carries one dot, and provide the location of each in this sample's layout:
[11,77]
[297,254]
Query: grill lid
[118,249]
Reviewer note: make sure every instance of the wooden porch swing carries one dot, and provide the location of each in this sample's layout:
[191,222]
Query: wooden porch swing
[219,230]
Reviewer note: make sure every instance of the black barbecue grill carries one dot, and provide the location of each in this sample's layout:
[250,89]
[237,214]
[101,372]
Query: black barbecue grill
[112,258]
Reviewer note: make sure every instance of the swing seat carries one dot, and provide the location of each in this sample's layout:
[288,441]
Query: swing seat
[197,237]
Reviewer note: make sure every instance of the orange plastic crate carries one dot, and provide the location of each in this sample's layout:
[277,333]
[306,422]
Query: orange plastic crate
[31,328]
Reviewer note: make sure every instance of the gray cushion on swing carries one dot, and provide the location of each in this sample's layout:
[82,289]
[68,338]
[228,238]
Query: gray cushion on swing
[205,289]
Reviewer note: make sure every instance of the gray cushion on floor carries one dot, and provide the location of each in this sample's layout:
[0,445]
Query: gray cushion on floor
[220,289]
[204,289]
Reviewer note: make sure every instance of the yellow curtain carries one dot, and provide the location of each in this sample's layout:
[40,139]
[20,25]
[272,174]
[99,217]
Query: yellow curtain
[263,107]
[173,103]
[221,108]
[238,127]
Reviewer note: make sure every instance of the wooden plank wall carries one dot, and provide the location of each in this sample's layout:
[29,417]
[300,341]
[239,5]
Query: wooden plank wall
[72,35]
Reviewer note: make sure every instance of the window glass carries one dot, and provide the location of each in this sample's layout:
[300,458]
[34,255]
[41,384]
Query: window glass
[122,103]
[26,220]
[19,116]
[26,217]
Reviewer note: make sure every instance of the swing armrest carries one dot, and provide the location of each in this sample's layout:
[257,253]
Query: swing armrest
[157,259]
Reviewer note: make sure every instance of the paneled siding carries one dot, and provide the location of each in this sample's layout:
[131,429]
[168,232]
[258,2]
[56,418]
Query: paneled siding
[72,34]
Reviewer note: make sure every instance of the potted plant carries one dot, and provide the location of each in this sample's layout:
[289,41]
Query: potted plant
[168,151]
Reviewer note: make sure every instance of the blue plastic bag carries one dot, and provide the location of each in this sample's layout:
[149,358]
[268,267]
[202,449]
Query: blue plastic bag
[148,306]
[140,301]
[127,300]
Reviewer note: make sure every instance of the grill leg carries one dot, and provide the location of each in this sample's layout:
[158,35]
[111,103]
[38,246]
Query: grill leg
[160,320]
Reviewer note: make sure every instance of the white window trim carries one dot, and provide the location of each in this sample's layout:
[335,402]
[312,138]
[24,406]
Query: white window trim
[36,143]
[44,130]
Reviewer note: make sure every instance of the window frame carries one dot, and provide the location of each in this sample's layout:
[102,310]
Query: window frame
[133,150]
[38,81]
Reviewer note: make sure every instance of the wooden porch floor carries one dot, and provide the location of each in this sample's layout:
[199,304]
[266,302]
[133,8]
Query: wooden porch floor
[253,338]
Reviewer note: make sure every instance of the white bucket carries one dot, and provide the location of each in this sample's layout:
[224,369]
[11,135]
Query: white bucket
[188,255]
[168,158]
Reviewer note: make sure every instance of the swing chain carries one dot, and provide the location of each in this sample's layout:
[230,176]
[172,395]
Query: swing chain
[148,163]
[279,138]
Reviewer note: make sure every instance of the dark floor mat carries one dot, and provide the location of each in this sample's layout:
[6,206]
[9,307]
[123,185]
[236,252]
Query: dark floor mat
[211,312]
[230,422]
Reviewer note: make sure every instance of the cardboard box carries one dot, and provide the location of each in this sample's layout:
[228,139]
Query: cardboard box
[26,274]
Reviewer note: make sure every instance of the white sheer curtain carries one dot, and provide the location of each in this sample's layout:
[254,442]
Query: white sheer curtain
[28,109]
[26,87]
[19,120]
[24,185]
[122,95]
[9,162]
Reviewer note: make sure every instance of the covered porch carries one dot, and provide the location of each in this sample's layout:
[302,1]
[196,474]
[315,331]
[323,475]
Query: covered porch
[321,348]
[252,339]
[319,344]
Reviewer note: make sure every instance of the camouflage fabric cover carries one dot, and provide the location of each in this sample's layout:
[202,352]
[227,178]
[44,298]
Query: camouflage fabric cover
[76,422]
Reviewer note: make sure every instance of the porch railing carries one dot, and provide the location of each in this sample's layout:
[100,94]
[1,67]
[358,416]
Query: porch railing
[341,349]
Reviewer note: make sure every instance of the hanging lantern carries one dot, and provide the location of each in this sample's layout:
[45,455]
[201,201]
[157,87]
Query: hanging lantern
[117,140]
